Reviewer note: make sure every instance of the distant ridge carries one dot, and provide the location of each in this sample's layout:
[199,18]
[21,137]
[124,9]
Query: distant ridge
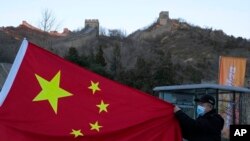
[169,51]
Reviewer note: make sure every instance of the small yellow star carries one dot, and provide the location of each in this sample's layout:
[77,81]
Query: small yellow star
[76,133]
[94,87]
[95,126]
[102,107]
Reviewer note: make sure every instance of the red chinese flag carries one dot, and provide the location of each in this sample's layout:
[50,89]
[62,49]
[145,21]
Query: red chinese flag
[46,98]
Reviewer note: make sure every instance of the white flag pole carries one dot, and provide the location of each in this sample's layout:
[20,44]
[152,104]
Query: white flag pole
[13,71]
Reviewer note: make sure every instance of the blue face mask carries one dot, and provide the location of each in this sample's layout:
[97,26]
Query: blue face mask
[200,110]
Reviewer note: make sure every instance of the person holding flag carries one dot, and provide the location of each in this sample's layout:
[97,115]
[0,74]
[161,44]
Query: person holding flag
[208,125]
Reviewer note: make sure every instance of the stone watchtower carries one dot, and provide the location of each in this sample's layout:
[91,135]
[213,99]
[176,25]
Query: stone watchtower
[163,18]
[94,23]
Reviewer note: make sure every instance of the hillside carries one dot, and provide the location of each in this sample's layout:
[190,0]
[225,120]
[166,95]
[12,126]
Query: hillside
[167,52]
[4,69]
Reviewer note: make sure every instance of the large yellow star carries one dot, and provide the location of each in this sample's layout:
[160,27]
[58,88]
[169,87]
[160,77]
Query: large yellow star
[51,91]
[94,87]
[76,133]
[95,126]
[102,107]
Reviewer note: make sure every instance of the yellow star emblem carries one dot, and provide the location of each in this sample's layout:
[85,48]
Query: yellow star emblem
[95,126]
[76,133]
[102,107]
[51,91]
[94,87]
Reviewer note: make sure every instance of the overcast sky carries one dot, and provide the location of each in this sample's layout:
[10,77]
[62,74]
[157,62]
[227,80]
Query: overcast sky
[231,16]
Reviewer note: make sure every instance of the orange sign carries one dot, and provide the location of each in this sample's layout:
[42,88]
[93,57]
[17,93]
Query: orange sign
[232,73]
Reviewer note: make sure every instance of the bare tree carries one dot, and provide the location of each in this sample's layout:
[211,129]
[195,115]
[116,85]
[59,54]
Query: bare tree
[48,21]
[117,33]
[103,31]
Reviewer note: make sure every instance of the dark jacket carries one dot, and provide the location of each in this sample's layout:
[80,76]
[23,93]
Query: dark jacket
[205,128]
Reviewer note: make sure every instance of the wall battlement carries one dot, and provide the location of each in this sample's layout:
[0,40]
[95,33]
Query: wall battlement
[65,32]
[94,23]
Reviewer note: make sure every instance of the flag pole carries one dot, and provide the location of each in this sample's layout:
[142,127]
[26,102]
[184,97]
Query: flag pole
[13,71]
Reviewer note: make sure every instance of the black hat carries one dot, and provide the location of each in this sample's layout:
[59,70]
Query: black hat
[206,99]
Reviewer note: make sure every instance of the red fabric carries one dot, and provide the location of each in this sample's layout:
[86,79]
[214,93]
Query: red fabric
[131,115]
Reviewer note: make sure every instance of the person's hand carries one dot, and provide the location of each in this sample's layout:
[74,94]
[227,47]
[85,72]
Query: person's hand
[176,109]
